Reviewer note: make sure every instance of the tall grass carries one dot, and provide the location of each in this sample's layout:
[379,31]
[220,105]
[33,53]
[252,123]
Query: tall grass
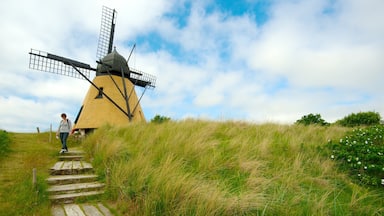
[17,194]
[209,168]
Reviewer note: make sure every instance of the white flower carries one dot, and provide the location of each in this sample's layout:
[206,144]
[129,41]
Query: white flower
[359,162]
[382,181]
[333,156]
[365,167]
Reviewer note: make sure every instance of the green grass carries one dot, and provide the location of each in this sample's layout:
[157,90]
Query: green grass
[229,168]
[17,194]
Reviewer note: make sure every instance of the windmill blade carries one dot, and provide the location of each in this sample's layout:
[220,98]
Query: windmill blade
[130,54]
[43,61]
[107,31]
[142,79]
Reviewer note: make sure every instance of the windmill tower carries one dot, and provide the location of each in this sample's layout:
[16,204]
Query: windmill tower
[111,98]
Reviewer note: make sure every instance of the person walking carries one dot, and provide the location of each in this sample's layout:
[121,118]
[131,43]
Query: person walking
[63,131]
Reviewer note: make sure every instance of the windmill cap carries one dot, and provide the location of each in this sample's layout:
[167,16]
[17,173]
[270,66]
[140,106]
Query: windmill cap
[113,63]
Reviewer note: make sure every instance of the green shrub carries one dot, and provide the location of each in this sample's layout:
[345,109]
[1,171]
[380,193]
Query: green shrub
[160,119]
[312,119]
[361,152]
[4,142]
[359,119]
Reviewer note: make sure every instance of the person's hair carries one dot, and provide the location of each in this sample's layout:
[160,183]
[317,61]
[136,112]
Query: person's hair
[64,115]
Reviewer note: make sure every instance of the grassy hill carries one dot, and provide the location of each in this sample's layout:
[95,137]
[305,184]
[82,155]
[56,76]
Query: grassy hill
[197,168]
[25,151]
[229,168]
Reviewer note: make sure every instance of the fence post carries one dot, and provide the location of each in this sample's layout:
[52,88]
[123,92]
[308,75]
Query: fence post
[34,178]
[50,133]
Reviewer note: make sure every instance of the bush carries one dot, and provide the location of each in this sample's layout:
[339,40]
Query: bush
[312,119]
[360,119]
[160,119]
[4,142]
[361,152]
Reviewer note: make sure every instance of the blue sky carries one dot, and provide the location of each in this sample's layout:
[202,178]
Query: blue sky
[252,60]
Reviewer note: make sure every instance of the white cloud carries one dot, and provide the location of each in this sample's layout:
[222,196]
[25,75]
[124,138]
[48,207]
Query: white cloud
[311,48]
[216,92]
[18,114]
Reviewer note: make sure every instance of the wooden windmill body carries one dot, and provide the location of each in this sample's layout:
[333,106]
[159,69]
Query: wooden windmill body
[98,110]
[111,98]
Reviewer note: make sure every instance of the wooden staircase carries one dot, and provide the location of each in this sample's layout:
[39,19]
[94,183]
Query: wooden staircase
[71,179]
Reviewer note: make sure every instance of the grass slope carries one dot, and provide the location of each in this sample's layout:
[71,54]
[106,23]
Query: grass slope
[26,151]
[230,168]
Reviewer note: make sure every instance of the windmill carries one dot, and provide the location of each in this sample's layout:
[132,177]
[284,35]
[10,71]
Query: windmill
[111,97]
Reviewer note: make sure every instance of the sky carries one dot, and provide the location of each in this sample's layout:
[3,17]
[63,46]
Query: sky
[248,60]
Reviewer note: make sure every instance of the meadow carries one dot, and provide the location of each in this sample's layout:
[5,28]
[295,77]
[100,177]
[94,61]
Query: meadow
[17,194]
[25,152]
[197,167]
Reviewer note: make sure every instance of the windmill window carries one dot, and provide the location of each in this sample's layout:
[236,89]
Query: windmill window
[100,94]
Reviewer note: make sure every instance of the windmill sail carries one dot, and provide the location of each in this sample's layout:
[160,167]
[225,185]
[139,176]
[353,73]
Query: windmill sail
[43,61]
[142,79]
[107,31]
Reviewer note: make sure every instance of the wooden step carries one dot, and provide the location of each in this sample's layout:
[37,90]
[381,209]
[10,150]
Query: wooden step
[77,187]
[70,167]
[80,209]
[70,157]
[73,152]
[72,178]
[70,198]
[67,179]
